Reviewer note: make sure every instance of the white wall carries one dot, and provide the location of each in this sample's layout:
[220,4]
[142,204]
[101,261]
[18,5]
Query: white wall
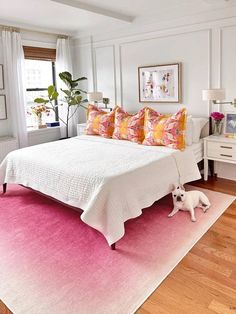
[206,51]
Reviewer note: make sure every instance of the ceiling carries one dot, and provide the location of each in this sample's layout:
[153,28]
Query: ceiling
[51,16]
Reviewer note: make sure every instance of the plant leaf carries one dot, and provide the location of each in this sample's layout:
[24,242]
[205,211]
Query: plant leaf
[40,100]
[82,91]
[54,95]
[80,79]
[67,92]
[51,90]
[65,75]
[66,78]
[73,84]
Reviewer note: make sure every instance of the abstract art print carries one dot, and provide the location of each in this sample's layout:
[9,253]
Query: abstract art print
[160,83]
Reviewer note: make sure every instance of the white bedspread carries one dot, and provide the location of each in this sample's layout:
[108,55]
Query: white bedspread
[110,180]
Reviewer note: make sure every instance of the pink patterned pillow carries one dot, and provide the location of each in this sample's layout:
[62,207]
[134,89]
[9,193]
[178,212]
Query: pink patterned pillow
[166,130]
[100,122]
[129,127]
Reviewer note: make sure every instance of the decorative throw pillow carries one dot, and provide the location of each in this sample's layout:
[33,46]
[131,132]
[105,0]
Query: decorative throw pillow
[129,127]
[100,122]
[166,130]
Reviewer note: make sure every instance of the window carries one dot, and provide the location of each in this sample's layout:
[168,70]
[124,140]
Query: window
[39,74]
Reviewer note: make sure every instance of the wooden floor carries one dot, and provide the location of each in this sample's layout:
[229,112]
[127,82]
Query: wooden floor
[205,280]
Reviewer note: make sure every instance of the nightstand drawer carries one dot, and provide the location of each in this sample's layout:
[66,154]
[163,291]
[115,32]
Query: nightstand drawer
[221,150]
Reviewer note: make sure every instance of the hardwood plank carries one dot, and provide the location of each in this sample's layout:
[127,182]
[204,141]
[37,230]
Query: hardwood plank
[171,301]
[214,255]
[202,263]
[222,308]
[155,307]
[213,283]
[205,288]
[4,309]
[214,240]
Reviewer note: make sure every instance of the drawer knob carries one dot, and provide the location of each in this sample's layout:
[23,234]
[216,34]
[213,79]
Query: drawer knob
[226,155]
[226,147]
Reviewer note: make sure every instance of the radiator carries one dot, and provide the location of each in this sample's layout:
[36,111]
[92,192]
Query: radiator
[7,144]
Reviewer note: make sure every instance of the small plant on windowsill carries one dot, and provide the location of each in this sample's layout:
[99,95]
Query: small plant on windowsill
[38,111]
[72,97]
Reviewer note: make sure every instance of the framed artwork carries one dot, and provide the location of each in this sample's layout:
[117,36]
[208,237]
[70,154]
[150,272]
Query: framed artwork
[160,83]
[3,107]
[230,124]
[1,77]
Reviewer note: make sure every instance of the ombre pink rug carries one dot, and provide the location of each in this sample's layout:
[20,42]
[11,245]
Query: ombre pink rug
[51,262]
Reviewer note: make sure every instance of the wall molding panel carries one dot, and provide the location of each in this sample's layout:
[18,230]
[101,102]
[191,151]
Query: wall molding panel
[105,71]
[205,49]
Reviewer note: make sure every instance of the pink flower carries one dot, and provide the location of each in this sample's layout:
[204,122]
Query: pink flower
[217,116]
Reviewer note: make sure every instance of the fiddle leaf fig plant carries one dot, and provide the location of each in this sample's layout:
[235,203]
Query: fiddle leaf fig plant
[72,97]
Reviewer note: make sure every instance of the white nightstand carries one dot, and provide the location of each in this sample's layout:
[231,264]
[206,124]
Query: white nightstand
[218,148]
[81,128]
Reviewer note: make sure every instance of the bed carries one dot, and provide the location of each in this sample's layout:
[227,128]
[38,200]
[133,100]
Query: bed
[110,180]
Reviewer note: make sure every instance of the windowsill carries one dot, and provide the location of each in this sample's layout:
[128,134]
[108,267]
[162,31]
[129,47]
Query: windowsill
[44,130]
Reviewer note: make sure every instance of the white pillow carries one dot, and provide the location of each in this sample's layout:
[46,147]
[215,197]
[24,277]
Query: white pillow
[189,131]
[198,124]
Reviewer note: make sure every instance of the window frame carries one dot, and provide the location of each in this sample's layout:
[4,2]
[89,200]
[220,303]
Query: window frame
[43,54]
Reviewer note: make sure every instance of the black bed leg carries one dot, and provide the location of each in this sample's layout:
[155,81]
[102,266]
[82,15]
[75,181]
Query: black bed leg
[4,187]
[113,246]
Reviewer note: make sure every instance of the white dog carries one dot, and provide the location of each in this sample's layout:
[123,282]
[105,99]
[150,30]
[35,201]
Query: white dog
[188,201]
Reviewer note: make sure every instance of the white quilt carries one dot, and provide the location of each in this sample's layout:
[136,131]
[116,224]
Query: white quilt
[110,180]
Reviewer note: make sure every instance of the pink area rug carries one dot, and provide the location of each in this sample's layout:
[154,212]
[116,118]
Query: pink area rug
[51,262]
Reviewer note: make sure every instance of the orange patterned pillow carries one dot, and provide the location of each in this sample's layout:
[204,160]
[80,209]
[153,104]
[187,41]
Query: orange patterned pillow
[166,130]
[100,122]
[128,126]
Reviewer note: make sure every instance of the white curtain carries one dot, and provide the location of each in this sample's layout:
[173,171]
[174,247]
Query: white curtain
[63,63]
[14,70]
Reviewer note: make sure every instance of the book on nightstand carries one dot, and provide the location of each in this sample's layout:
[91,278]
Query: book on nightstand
[53,124]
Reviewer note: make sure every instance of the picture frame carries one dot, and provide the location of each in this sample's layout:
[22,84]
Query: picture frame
[160,83]
[3,107]
[230,124]
[1,77]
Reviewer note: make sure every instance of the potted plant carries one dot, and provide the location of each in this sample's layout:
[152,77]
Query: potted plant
[72,97]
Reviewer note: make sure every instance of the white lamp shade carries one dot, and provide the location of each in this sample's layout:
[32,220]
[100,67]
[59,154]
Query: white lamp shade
[213,94]
[95,96]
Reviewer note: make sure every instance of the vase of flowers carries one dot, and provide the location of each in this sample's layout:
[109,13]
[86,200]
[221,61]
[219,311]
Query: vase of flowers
[217,117]
[38,112]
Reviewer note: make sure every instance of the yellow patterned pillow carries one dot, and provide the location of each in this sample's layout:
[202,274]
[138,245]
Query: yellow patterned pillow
[100,122]
[165,130]
[129,126]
